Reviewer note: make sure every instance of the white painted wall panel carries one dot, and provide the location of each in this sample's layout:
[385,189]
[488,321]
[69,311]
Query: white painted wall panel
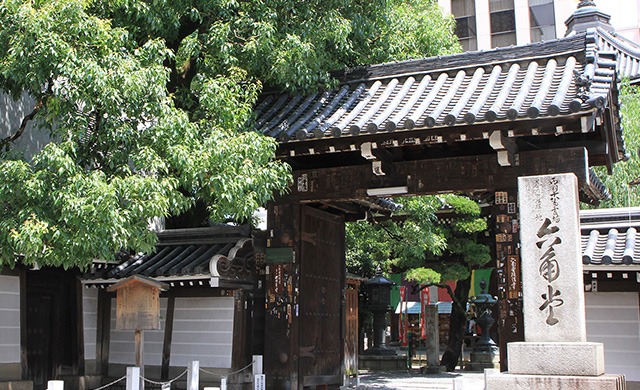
[122,342]
[9,319]
[90,319]
[203,330]
[614,320]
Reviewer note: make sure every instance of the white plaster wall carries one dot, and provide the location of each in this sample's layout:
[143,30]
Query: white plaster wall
[11,116]
[203,330]
[9,319]
[614,320]
[90,319]
[122,342]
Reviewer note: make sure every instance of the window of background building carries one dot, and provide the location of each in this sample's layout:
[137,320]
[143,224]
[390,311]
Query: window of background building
[465,13]
[542,17]
[503,23]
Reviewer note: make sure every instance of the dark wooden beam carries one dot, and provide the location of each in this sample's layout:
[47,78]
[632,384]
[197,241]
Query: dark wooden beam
[24,367]
[79,367]
[240,354]
[425,177]
[103,332]
[168,336]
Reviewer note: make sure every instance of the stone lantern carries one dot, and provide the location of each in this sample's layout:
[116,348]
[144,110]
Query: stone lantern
[485,351]
[379,289]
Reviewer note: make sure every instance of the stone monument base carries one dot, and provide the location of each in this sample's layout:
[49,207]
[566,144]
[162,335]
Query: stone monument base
[382,363]
[481,360]
[549,358]
[432,369]
[506,381]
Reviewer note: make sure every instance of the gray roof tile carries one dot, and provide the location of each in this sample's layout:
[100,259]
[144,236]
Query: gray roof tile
[182,254]
[505,85]
[609,237]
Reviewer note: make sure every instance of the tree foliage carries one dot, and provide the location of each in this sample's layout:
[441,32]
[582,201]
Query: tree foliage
[427,251]
[148,103]
[435,242]
[624,192]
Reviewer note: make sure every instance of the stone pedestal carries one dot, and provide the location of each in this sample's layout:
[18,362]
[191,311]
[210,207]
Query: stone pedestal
[585,359]
[483,360]
[555,354]
[547,382]
[382,363]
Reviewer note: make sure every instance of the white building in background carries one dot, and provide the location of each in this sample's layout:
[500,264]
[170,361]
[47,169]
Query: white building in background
[487,24]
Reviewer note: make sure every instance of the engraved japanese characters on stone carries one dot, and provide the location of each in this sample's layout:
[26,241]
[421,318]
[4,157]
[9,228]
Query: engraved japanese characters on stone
[549,268]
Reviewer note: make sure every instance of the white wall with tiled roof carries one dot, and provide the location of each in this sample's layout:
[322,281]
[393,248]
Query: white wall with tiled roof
[613,319]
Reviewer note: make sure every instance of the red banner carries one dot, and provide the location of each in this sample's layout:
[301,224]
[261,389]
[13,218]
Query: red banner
[403,321]
[424,300]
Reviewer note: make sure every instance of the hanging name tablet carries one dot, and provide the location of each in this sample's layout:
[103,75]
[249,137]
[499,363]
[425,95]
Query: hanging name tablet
[551,264]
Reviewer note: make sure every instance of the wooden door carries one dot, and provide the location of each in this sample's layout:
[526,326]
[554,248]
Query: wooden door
[39,340]
[322,285]
[53,322]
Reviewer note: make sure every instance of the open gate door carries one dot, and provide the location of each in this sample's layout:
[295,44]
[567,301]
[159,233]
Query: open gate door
[322,284]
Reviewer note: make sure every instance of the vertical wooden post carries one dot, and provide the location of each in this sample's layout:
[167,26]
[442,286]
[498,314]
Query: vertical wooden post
[507,255]
[168,336]
[79,367]
[24,368]
[103,332]
[140,355]
[281,314]
[193,375]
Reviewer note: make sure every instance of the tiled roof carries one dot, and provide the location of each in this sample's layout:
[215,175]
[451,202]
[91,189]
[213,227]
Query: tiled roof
[565,77]
[610,237]
[185,256]
[627,53]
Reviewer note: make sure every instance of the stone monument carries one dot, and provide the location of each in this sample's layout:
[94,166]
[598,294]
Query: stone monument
[555,353]
[432,342]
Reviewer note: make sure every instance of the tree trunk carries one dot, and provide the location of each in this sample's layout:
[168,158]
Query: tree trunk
[458,322]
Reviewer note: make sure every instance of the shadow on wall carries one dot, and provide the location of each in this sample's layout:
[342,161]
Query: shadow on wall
[11,115]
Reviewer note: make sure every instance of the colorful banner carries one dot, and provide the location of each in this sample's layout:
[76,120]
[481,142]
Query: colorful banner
[424,300]
[403,317]
[476,277]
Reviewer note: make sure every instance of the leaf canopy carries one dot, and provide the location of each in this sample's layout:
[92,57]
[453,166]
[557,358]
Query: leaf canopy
[149,105]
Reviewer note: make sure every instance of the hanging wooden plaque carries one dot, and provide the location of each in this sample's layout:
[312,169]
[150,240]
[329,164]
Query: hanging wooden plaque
[137,303]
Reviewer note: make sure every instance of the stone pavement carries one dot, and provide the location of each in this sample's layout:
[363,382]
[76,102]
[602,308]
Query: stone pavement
[413,380]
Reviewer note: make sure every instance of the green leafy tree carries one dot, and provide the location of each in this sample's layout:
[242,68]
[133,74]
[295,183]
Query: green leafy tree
[429,252]
[623,183]
[149,103]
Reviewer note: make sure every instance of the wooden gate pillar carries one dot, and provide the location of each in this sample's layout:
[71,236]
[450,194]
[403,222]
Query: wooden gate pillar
[507,255]
[282,273]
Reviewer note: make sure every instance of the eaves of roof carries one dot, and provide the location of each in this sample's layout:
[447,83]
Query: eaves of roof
[185,257]
[569,77]
[628,53]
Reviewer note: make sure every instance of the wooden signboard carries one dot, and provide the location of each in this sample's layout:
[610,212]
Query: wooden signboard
[137,303]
